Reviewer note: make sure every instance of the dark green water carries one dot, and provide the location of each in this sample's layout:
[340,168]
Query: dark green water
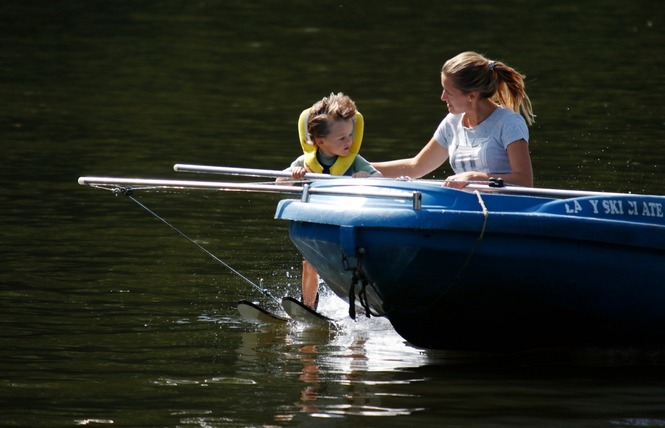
[110,317]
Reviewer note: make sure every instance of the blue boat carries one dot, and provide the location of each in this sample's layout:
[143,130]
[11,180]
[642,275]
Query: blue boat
[492,269]
[484,268]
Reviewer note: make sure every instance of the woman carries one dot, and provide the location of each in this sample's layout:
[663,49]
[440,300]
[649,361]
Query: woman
[483,135]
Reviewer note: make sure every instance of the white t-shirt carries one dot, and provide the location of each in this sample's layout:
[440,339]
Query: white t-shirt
[483,147]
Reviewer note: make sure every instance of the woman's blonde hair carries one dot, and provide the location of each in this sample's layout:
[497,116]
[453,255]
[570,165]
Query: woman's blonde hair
[495,80]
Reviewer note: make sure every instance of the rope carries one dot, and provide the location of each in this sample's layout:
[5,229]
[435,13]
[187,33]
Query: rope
[128,193]
[486,214]
[469,256]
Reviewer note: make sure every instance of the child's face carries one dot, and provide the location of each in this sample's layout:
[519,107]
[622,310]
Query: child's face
[339,139]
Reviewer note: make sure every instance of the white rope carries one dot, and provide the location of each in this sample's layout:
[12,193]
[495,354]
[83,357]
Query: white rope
[486,214]
[469,256]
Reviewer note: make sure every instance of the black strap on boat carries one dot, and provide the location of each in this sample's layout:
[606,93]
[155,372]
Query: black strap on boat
[362,296]
[357,277]
[352,296]
[495,182]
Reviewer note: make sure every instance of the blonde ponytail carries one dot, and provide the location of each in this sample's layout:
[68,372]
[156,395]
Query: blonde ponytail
[492,79]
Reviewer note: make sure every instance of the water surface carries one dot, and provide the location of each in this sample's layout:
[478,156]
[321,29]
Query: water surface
[111,317]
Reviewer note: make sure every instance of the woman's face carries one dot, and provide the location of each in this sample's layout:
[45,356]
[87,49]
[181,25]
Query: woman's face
[339,139]
[456,100]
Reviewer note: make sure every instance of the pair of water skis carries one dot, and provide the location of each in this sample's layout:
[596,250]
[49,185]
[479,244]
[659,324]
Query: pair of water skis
[296,311]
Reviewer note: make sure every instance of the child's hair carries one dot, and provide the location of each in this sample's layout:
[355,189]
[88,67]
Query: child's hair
[471,71]
[327,111]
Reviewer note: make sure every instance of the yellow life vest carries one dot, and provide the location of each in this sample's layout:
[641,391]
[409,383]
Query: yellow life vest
[343,163]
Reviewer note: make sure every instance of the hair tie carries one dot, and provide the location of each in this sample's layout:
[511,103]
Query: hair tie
[491,66]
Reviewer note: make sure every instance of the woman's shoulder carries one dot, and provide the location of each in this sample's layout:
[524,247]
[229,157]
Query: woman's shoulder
[511,124]
[505,116]
[504,112]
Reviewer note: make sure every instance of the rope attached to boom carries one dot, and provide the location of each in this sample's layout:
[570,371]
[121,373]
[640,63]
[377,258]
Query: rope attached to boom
[128,193]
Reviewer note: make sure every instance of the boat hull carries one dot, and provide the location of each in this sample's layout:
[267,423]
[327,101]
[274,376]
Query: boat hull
[492,272]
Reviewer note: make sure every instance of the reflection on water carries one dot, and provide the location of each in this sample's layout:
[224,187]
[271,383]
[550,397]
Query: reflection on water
[363,369]
[354,360]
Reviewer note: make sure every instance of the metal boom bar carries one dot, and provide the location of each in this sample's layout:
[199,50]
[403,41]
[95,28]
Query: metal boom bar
[246,187]
[508,189]
[248,172]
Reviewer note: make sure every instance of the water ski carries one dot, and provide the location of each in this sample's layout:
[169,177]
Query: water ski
[252,312]
[303,314]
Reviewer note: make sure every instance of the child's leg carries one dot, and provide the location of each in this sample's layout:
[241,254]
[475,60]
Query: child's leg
[310,284]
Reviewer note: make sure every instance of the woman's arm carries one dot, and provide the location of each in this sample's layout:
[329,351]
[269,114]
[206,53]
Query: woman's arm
[430,157]
[520,165]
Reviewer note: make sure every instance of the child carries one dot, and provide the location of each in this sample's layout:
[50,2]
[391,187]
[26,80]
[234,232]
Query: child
[331,133]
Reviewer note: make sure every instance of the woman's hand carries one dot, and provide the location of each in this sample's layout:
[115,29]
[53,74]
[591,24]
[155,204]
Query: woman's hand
[460,181]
